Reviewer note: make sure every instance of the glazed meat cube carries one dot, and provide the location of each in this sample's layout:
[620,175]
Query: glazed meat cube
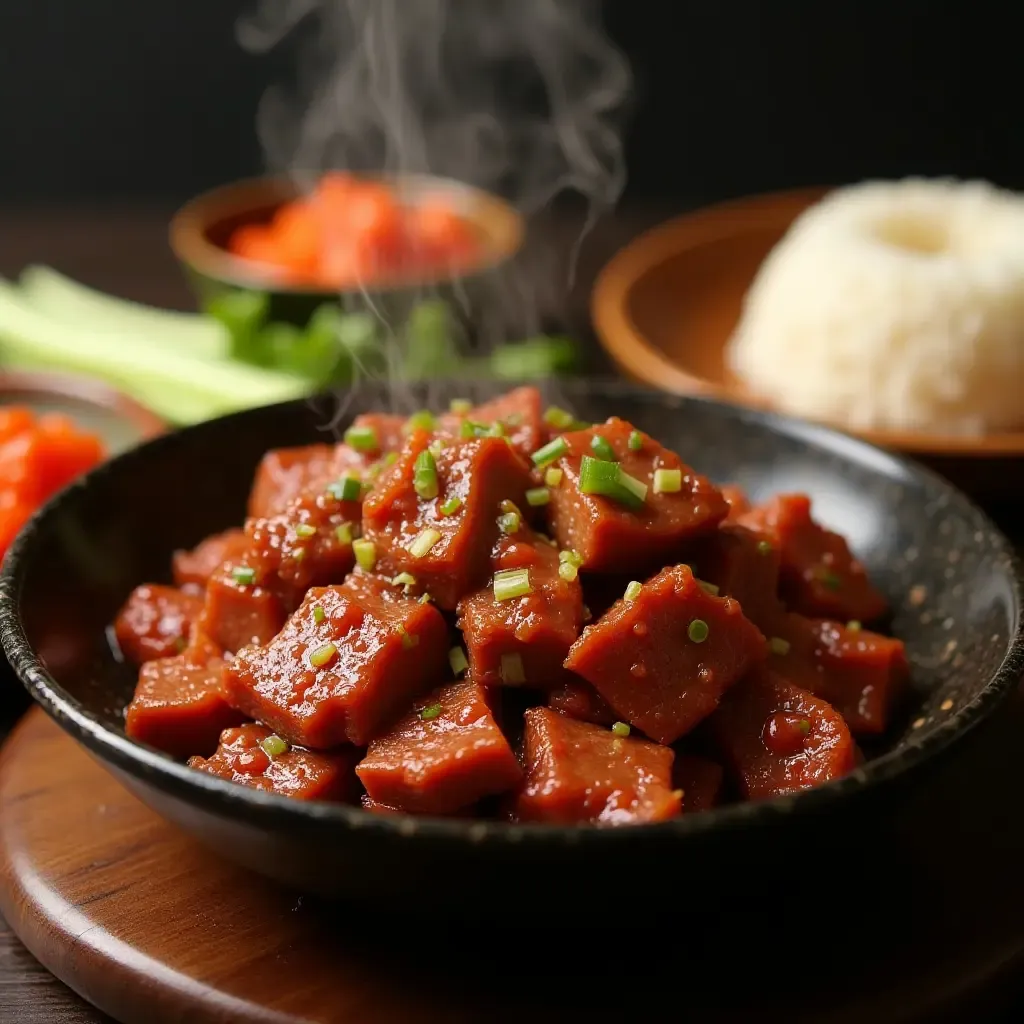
[579,772]
[518,412]
[446,754]
[155,622]
[238,611]
[663,657]
[346,662]
[610,535]
[284,473]
[820,578]
[444,541]
[522,640]
[179,706]
[776,738]
[195,567]
[578,699]
[253,756]
[700,781]
[736,499]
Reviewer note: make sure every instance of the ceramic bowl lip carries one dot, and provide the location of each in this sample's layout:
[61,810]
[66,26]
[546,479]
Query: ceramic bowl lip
[189,224]
[226,798]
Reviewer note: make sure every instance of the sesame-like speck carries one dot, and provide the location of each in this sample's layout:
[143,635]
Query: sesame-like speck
[638,671]
[640,628]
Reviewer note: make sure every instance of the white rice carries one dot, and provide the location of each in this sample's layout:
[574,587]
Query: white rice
[893,305]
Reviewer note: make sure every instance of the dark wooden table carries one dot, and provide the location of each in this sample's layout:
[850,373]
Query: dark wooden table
[124,251]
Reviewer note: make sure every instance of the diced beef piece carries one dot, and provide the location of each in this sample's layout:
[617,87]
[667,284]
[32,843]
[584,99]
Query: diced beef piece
[345,664]
[284,473]
[155,622]
[819,578]
[776,738]
[238,611]
[522,641]
[446,754]
[388,432]
[478,474]
[609,535]
[179,705]
[242,757]
[195,567]
[736,499]
[663,659]
[744,565]
[519,413]
[578,699]
[700,779]
[580,772]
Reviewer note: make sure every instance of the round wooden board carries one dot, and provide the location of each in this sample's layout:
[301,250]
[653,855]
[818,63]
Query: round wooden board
[151,927]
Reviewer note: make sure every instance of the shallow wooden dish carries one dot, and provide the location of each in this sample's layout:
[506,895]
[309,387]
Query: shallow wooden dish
[666,305]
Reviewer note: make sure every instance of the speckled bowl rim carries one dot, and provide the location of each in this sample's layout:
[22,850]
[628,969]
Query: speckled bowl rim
[226,798]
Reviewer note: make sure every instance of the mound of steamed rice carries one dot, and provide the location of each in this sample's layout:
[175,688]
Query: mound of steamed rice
[893,305]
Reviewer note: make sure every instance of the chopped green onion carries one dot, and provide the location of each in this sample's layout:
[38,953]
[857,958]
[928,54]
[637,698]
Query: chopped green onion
[608,480]
[567,571]
[668,481]
[511,583]
[391,458]
[509,506]
[460,406]
[853,626]
[620,729]
[458,660]
[570,556]
[560,419]
[508,522]
[829,579]
[423,542]
[404,579]
[708,588]
[425,598]
[635,487]
[323,655]
[424,476]
[409,640]
[243,574]
[763,547]
[636,440]
[552,476]
[318,613]
[602,448]
[497,429]
[470,428]
[451,505]
[698,631]
[299,554]
[512,672]
[513,419]
[430,711]
[778,646]
[348,488]
[550,452]
[343,531]
[804,725]
[422,420]
[537,496]
[363,439]
[436,447]
[273,746]
[366,554]
[632,591]
[304,531]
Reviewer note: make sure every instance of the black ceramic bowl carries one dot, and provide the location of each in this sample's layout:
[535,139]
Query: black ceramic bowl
[949,574]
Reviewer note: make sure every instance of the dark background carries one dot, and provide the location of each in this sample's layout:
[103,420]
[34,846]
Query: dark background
[134,99]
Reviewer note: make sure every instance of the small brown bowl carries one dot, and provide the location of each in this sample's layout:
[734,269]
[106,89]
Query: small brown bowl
[666,305]
[200,230]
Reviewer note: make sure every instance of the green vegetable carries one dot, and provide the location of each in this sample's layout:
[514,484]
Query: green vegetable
[366,554]
[778,646]
[430,337]
[853,626]
[273,746]
[570,556]
[318,613]
[409,640]
[508,522]
[243,574]
[404,579]
[460,406]
[620,729]
[323,655]
[537,496]
[763,547]
[430,711]
[512,583]
[550,452]
[363,439]
[698,631]
[422,420]
[243,315]
[423,542]
[602,449]
[562,419]
[636,440]
[304,531]
[458,661]
[511,670]
[451,506]
[633,590]
[708,588]
[668,481]
[535,357]
[343,531]
[424,476]
[567,571]
[348,488]
[608,479]
[552,476]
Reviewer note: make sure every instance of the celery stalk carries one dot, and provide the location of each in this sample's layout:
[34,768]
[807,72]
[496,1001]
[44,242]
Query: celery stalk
[70,302]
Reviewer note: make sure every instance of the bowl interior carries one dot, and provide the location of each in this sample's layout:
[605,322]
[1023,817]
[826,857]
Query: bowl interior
[948,573]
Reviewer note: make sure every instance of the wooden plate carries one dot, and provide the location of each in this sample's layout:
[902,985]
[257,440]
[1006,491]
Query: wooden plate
[667,304]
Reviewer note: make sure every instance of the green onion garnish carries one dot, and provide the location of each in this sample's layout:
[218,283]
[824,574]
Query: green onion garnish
[322,656]
[430,711]
[512,672]
[424,476]
[708,588]
[304,531]
[299,554]
[273,746]
[496,429]
[343,531]
[436,447]
[348,488]
[632,591]
[425,598]
[636,440]
[451,505]
[391,458]
[570,556]
[602,449]
[458,660]
[460,406]
[318,613]
[422,420]
[409,640]
[829,579]
[243,574]
[366,554]
[804,725]
[698,631]
[853,626]
[778,646]
[668,481]
[508,522]
[763,547]
[550,452]
[560,419]
[511,583]
[470,428]
[537,496]
[552,476]
[404,579]
[608,480]
[620,729]
[423,542]
[363,439]
[567,571]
